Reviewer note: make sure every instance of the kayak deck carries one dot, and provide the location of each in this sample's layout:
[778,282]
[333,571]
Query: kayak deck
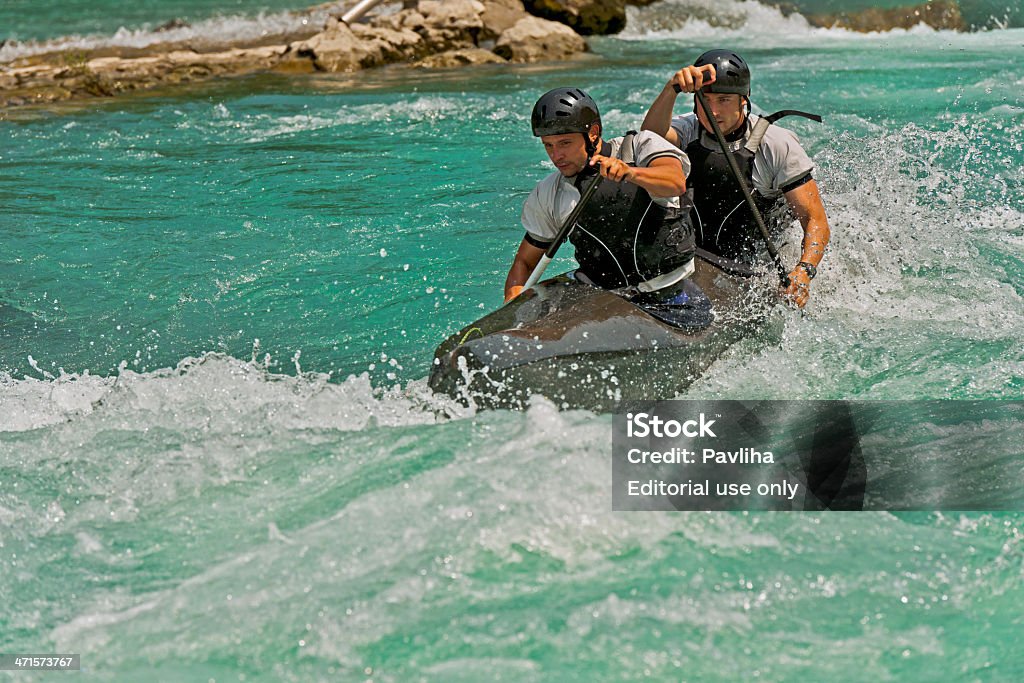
[585,347]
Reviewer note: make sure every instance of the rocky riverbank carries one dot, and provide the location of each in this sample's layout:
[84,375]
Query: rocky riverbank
[429,33]
[420,33]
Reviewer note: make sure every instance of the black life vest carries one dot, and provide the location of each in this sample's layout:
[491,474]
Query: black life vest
[724,224]
[623,237]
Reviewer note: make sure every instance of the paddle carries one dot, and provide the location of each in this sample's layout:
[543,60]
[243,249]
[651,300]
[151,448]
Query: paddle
[566,228]
[783,273]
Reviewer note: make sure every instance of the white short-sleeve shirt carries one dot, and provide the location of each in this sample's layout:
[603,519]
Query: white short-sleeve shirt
[780,161]
[554,197]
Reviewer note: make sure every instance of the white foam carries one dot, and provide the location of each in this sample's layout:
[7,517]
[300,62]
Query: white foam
[696,19]
[207,32]
[216,392]
[500,497]
[258,128]
[749,23]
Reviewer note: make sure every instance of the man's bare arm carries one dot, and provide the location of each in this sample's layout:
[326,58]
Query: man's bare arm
[659,116]
[663,178]
[805,202]
[527,258]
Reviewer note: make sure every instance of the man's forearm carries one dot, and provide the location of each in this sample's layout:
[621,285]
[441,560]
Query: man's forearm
[805,201]
[659,116]
[816,237]
[660,181]
[526,259]
[517,275]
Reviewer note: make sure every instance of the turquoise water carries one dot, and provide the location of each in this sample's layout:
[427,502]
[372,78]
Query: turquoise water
[219,459]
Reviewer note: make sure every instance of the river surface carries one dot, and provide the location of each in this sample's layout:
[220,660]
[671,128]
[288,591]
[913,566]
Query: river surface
[219,459]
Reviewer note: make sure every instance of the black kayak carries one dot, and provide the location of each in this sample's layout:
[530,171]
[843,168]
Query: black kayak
[586,347]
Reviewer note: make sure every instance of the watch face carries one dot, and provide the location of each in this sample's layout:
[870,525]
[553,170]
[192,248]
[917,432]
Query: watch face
[810,269]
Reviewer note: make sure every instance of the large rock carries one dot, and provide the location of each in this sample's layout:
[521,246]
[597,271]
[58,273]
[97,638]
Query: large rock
[340,48]
[386,46]
[499,16]
[448,25]
[336,49]
[533,39]
[456,58]
[586,17]
[75,77]
[106,76]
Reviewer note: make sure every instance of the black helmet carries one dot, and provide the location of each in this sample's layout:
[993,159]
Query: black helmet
[564,110]
[732,75]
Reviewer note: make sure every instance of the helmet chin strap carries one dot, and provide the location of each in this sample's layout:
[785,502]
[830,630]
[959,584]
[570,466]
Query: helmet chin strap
[589,145]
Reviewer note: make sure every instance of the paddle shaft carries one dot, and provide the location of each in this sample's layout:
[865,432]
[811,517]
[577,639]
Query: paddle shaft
[741,181]
[566,228]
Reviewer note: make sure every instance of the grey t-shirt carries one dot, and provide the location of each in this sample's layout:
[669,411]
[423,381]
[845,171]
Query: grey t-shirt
[554,197]
[780,161]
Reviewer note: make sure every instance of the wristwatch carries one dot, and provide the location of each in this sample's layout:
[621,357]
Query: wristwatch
[809,268]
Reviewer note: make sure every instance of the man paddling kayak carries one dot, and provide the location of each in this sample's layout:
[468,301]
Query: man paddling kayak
[635,321]
[769,156]
[631,236]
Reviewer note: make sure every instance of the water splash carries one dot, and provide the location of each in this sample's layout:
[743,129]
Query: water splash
[216,392]
[742,22]
[919,295]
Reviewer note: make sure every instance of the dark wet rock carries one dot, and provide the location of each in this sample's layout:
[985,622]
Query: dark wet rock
[586,17]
